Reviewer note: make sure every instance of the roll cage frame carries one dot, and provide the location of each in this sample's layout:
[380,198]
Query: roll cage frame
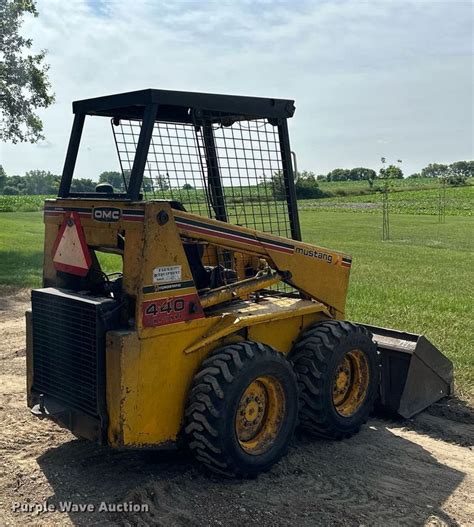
[201,110]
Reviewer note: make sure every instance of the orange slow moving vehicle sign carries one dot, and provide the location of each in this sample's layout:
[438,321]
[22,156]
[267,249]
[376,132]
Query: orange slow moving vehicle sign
[70,251]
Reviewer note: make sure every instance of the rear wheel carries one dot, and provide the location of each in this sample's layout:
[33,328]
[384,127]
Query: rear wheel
[338,371]
[242,409]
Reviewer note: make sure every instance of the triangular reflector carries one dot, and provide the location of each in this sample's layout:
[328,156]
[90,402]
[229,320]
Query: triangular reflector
[70,251]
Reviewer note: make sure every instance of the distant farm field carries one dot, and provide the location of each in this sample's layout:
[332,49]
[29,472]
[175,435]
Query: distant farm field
[419,281]
[459,201]
[22,203]
[407,196]
[347,187]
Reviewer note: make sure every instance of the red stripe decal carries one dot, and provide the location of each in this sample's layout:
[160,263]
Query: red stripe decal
[132,218]
[236,237]
[217,234]
[278,248]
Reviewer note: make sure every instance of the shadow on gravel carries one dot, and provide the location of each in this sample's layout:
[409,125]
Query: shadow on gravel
[374,478]
[450,420]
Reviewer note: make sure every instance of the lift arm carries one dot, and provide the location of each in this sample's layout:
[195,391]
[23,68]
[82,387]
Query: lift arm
[317,272]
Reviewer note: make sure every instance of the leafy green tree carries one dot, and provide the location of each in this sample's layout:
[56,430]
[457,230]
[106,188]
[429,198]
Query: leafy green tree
[24,84]
[416,175]
[17,182]
[307,187]
[41,182]
[462,168]
[435,170]
[10,191]
[83,185]
[338,174]
[457,180]
[187,186]
[114,178]
[391,172]
[361,174]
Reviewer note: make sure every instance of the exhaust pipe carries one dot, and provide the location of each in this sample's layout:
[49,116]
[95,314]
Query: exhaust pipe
[415,374]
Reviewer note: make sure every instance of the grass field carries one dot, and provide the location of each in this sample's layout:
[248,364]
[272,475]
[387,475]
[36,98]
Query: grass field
[420,281]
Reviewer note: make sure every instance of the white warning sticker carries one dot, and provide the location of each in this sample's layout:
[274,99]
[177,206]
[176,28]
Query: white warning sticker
[171,273]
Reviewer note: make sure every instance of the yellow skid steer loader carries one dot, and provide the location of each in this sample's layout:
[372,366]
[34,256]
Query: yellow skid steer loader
[221,328]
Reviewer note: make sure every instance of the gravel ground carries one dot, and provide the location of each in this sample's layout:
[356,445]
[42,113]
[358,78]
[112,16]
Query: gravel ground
[416,472]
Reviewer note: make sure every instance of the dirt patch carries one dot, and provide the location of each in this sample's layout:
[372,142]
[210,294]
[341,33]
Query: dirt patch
[414,472]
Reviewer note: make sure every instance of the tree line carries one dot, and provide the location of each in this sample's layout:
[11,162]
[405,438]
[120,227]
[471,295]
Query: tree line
[42,182]
[307,183]
[459,169]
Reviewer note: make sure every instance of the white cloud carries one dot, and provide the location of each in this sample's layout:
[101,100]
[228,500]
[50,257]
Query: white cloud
[359,71]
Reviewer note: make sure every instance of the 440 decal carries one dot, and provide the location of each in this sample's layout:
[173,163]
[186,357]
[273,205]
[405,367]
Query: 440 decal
[171,310]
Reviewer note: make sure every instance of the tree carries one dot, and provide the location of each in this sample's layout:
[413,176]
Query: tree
[361,174]
[307,187]
[414,176]
[435,170]
[187,186]
[10,191]
[24,84]
[83,185]
[18,183]
[338,174]
[456,180]
[391,172]
[114,178]
[463,169]
[41,182]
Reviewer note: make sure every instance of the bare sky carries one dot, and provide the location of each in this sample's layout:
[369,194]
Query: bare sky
[370,78]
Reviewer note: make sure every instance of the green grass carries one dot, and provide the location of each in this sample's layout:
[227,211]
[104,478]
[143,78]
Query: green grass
[21,250]
[419,281]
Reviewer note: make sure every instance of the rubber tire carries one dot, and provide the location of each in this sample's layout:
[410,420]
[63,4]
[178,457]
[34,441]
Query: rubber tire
[213,401]
[315,358]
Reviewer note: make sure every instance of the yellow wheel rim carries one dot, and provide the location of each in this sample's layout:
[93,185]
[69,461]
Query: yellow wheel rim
[351,383]
[260,414]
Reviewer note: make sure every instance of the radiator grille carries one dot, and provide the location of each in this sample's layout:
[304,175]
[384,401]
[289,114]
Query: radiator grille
[67,349]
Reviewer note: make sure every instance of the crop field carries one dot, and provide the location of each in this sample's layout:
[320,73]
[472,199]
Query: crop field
[362,187]
[418,195]
[459,202]
[22,203]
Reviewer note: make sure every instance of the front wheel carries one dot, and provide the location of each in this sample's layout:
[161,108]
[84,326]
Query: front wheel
[337,365]
[242,409]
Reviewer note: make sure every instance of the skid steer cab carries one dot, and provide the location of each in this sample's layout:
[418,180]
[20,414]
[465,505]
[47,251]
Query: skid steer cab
[219,327]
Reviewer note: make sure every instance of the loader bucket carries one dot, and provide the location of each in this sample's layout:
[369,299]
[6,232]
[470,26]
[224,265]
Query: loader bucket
[414,373]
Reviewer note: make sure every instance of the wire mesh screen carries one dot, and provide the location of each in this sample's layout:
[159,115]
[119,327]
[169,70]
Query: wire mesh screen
[232,173]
